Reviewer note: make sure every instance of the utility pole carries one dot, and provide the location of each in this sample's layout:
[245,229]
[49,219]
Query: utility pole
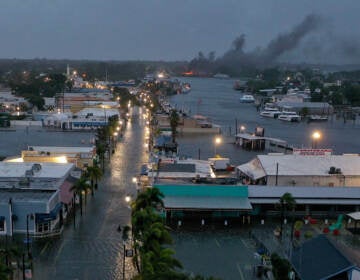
[277,174]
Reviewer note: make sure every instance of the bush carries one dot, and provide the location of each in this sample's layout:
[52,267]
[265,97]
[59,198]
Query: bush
[298,225]
[281,267]
[308,234]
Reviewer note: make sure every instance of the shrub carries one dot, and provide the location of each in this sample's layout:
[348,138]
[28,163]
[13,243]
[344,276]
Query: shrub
[308,234]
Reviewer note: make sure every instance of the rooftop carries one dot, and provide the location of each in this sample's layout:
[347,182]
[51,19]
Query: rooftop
[319,259]
[57,149]
[25,195]
[299,165]
[48,170]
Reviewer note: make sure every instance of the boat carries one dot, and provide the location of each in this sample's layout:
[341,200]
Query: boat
[270,112]
[221,76]
[289,116]
[317,118]
[247,98]
[238,86]
[185,88]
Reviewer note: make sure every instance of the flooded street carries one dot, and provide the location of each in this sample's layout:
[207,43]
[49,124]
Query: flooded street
[93,249]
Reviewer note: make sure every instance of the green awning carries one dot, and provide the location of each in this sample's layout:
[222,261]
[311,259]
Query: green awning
[207,203]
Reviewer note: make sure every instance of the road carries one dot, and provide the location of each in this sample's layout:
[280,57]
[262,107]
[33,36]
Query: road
[93,249]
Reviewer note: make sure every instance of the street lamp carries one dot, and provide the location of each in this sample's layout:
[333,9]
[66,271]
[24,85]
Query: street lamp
[216,142]
[315,137]
[242,128]
[31,216]
[127,198]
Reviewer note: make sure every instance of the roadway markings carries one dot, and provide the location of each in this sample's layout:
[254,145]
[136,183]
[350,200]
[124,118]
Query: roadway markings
[217,243]
[248,243]
[44,249]
[240,271]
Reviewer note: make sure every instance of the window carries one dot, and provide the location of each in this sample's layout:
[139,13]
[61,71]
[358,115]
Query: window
[43,227]
[2,225]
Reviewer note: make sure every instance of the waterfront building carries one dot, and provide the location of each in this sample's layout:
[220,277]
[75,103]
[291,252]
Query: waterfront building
[36,188]
[302,170]
[82,157]
[38,211]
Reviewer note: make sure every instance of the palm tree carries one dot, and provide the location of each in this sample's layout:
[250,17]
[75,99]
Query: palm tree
[100,151]
[174,122]
[94,173]
[152,197]
[286,202]
[79,187]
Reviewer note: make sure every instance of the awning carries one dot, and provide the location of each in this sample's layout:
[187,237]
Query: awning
[45,217]
[207,203]
[354,215]
[2,219]
[251,170]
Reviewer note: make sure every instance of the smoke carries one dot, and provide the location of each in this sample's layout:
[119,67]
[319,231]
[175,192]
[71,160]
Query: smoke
[287,42]
[264,57]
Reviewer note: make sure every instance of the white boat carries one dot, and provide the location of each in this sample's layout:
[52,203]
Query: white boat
[221,76]
[247,98]
[185,88]
[317,118]
[270,112]
[289,116]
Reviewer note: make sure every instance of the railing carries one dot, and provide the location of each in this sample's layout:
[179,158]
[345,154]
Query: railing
[52,233]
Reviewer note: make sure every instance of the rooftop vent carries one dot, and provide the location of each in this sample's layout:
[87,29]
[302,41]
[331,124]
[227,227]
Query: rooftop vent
[36,167]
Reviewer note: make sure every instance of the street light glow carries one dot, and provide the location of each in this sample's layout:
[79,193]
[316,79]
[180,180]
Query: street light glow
[242,128]
[134,180]
[217,140]
[316,135]
[127,198]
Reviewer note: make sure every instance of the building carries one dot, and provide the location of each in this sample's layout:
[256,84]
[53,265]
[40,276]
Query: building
[82,157]
[37,188]
[38,211]
[319,258]
[319,108]
[302,170]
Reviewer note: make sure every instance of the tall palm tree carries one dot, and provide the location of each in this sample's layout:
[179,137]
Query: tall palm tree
[174,123]
[94,173]
[152,197]
[79,187]
[286,202]
[100,151]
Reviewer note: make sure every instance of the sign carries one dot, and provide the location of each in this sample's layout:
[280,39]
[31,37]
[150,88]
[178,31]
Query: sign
[26,241]
[129,253]
[312,152]
[28,273]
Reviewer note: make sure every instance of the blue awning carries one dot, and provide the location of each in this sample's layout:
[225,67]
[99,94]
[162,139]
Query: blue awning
[45,217]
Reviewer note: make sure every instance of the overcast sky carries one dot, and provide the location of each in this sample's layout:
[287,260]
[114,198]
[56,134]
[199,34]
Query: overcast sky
[162,29]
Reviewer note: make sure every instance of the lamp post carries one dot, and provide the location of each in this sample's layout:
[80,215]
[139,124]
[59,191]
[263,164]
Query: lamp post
[242,129]
[217,141]
[315,137]
[27,234]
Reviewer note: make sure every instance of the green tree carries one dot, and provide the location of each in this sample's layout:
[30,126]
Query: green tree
[286,202]
[81,186]
[174,122]
[94,173]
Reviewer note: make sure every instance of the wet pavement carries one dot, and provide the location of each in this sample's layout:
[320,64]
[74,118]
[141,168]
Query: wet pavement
[93,248]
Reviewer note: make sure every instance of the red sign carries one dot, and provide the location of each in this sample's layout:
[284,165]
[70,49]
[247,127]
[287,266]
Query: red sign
[312,152]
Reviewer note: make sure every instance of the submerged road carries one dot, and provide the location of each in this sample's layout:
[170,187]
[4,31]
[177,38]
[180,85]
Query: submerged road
[93,249]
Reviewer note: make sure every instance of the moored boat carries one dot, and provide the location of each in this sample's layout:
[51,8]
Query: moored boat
[270,112]
[247,98]
[317,118]
[289,116]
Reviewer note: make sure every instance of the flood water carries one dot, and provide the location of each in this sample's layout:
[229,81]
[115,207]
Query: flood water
[215,98]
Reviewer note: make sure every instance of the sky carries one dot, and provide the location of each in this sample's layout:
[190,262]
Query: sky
[171,29]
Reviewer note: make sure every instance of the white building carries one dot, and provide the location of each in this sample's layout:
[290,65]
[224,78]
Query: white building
[302,170]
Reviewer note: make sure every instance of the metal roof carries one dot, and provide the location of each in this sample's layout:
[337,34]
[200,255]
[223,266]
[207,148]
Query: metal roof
[319,259]
[207,202]
[25,195]
[48,170]
[300,165]
[355,216]
[304,192]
